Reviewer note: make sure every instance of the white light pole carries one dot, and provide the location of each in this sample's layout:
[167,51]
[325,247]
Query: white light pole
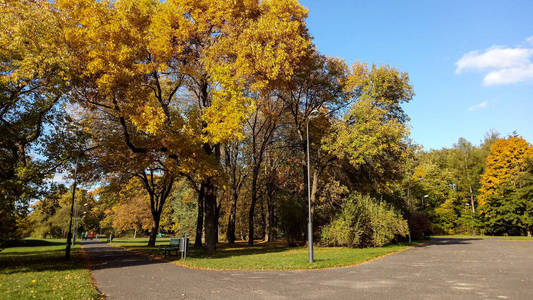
[425,196]
[310,217]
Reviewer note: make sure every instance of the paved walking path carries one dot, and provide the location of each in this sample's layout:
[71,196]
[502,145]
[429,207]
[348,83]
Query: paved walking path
[444,269]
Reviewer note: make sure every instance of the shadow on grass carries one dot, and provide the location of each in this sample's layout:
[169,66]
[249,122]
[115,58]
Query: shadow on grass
[48,260]
[224,250]
[33,243]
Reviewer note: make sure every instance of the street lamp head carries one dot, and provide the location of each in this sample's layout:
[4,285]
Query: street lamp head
[421,178]
[425,196]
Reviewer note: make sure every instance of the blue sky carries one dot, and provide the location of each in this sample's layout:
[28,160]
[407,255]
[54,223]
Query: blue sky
[470,62]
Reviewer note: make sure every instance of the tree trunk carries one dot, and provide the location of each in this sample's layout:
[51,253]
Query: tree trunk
[251,212]
[210,216]
[270,220]
[217,217]
[263,220]
[200,218]
[473,209]
[231,220]
[155,229]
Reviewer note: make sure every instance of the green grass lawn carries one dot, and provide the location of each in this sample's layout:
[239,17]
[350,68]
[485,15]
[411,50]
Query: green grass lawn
[517,238]
[506,238]
[37,269]
[263,256]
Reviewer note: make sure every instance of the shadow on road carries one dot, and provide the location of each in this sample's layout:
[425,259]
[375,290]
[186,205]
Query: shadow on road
[103,256]
[448,241]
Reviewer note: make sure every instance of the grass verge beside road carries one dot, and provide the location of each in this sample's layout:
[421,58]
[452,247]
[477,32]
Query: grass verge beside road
[265,256]
[37,269]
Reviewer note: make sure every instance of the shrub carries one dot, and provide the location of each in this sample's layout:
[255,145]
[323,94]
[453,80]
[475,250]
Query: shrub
[293,219]
[363,222]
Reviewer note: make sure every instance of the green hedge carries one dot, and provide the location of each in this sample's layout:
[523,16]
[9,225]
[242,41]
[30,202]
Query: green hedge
[364,222]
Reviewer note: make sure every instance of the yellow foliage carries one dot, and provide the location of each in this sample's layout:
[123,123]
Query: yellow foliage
[31,45]
[506,160]
[137,52]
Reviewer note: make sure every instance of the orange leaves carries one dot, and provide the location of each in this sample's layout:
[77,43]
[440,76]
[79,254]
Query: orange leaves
[506,160]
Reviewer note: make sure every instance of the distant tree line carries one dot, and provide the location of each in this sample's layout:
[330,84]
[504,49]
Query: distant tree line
[476,189]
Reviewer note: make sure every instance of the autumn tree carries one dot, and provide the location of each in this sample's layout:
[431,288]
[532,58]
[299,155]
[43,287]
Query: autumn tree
[235,172]
[506,160]
[504,165]
[50,216]
[523,200]
[132,210]
[33,67]
[373,135]
[183,204]
[163,83]
[260,129]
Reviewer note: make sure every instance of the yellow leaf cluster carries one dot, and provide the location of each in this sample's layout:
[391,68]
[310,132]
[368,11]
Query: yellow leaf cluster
[31,44]
[506,160]
[132,51]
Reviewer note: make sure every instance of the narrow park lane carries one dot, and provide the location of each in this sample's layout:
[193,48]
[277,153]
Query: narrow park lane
[443,269]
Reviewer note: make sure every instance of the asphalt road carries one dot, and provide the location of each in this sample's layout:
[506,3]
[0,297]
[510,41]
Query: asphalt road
[443,269]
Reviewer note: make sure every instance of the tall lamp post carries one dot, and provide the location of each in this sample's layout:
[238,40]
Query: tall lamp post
[310,217]
[69,235]
[409,205]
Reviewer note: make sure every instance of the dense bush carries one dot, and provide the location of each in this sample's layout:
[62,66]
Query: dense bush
[364,222]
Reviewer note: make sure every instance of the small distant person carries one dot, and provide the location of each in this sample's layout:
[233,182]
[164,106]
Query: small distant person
[91,236]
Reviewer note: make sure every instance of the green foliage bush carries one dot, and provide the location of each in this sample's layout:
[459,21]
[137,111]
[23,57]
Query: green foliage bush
[293,218]
[364,222]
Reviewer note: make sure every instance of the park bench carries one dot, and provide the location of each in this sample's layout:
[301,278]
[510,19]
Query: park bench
[173,246]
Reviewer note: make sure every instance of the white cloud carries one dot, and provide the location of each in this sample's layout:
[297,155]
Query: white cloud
[503,65]
[494,58]
[530,40]
[478,106]
[508,76]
